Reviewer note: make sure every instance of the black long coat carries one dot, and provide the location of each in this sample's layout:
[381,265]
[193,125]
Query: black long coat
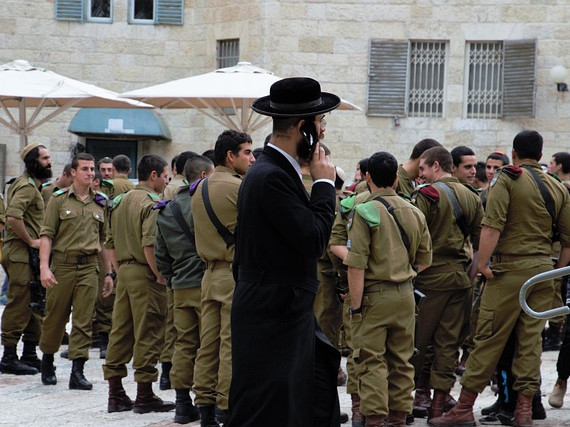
[283,368]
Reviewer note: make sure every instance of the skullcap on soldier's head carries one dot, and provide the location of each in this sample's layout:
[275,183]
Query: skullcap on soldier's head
[29,148]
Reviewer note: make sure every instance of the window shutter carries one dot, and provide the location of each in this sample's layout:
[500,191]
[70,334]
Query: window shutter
[387,78]
[69,10]
[519,87]
[170,12]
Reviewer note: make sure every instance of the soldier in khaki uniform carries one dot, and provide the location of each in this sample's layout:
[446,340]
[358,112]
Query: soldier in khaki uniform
[121,170]
[64,181]
[140,303]
[72,233]
[380,273]
[24,216]
[105,166]
[517,232]
[446,283]
[410,170]
[213,363]
[178,261]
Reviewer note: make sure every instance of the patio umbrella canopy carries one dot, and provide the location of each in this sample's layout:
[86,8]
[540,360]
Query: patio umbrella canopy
[218,95]
[22,85]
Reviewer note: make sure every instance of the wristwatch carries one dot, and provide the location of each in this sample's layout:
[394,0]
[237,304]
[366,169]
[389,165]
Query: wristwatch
[112,275]
[352,311]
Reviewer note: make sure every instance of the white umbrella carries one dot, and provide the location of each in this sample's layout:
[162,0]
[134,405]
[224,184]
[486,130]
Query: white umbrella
[22,85]
[218,94]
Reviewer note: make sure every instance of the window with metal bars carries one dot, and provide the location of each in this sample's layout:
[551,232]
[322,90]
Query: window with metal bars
[426,79]
[227,53]
[485,80]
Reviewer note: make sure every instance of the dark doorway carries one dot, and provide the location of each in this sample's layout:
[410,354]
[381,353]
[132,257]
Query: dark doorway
[100,148]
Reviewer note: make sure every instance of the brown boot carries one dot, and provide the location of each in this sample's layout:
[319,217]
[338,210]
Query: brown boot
[397,419]
[147,401]
[422,402]
[340,377]
[118,399]
[376,420]
[523,411]
[449,403]
[462,413]
[437,403]
[357,418]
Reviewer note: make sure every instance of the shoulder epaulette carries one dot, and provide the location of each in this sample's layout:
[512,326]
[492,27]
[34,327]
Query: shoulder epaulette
[31,181]
[553,175]
[100,199]
[107,183]
[369,213]
[60,192]
[161,205]
[153,196]
[511,171]
[473,189]
[44,184]
[430,193]
[405,196]
[117,200]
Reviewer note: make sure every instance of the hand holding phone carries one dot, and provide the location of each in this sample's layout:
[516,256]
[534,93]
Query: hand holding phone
[310,139]
[320,166]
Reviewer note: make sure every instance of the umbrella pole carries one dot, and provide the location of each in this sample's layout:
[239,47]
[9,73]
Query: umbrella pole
[22,129]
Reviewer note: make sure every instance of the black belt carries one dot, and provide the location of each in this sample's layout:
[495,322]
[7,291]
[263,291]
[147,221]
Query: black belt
[77,259]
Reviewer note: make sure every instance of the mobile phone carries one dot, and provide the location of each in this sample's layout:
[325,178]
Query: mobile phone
[311,137]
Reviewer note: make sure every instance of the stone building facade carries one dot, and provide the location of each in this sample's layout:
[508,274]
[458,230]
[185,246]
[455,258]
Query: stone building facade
[364,50]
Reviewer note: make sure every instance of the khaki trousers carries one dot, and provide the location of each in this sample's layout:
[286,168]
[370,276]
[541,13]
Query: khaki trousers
[213,370]
[76,287]
[138,324]
[169,329]
[327,307]
[186,316]
[352,377]
[103,306]
[383,337]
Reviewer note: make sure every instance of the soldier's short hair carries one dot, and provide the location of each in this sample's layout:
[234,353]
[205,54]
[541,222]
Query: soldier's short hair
[173,163]
[481,172]
[422,146]
[382,168]
[80,156]
[195,165]
[229,140]
[148,164]
[528,145]
[104,160]
[439,155]
[182,159]
[363,166]
[563,158]
[210,155]
[499,155]
[98,175]
[122,164]
[458,152]
[67,169]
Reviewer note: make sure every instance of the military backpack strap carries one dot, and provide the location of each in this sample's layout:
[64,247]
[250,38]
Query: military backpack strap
[548,201]
[222,230]
[459,216]
[179,217]
[390,210]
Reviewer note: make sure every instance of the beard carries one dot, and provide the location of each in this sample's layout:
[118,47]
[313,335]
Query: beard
[40,172]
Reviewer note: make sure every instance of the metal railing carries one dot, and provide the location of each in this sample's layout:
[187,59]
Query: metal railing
[548,314]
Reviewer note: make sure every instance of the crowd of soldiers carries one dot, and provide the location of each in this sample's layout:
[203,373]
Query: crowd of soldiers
[425,261]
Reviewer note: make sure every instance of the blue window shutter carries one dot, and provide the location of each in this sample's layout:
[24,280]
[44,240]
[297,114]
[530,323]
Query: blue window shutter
[170,12]
[69,10]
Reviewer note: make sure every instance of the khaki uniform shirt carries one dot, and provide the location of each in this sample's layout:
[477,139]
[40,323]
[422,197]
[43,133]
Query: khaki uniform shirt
[25,203]
[339,235]
[378,247]
[361,187]
[133,224]
[2,210]
[171,189]
[76,226]
[121,184]
[223,187]
[405,183]
[516,208]
[47,190]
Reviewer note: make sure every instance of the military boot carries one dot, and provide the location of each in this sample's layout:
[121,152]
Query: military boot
[165,376]
[538,411]
[186,412]
[422,402]
[437,404]
[556,399]
[396,419]
[48,370]
[147,401]
[222,416]
[376,420]
[357,418]
[103,343]
[523,411]
[118,399]
[208,416]
[77,380]
[29,356]
[462,413]
[11,365]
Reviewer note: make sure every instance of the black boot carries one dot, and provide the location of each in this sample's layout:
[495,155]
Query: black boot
[48,370]
[64,354]
[551,338]
[222,416]
[208,416]
[29,356]
[103,342]
[186,412]
[77,380]
[165,376]
[118,399]
[147,401]
[11,365]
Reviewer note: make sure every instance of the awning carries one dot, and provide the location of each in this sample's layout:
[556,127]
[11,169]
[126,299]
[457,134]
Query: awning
[120,122]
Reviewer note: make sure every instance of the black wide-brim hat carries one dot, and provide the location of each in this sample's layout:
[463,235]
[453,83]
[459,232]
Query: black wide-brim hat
[296,97]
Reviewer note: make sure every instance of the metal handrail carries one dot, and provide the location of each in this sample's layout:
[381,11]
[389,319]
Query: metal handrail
[548,314]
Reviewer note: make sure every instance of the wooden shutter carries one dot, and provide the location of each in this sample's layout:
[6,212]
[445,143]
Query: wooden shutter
[170,12]
[387,78]
[519,88]
[69,10]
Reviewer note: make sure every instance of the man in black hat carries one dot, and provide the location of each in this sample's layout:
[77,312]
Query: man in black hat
[283,367]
